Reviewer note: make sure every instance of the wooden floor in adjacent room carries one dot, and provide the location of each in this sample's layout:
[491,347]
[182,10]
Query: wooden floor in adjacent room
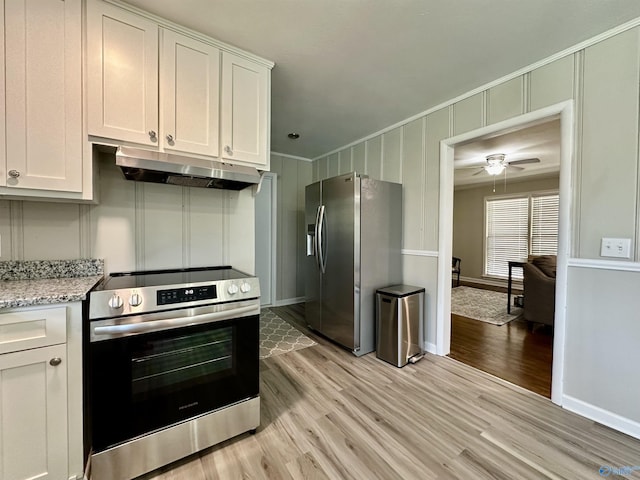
[511,352]
[329,415]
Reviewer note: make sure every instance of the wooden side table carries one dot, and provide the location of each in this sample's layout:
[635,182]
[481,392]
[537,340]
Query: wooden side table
[512,264]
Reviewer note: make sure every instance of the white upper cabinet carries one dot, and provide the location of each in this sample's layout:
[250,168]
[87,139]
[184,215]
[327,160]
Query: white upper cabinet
[122,76]
[245,110]
[189,94]
[156,84]
[42,98]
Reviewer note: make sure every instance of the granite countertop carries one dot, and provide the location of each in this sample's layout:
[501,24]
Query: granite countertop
[45,282]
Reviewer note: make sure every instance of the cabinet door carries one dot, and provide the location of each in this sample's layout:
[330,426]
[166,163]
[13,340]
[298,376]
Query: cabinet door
[190,80]
[122,76]
[43,62]
[245,110]
[33,414]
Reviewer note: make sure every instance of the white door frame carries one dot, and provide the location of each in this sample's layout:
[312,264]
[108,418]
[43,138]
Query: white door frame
[565,112]
[274,234]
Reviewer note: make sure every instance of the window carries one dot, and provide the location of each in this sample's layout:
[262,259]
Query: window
[517,227]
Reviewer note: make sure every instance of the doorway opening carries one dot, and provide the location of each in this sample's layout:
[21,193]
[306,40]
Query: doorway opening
[562,112]
[505,210]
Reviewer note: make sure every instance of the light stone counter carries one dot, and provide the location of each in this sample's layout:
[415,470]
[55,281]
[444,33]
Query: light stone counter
[45,282]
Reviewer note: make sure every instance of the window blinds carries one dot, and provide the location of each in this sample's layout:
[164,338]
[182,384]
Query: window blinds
[544,225]
[519,226]
[507,233]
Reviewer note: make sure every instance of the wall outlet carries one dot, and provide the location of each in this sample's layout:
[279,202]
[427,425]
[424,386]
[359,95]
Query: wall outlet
[616,247]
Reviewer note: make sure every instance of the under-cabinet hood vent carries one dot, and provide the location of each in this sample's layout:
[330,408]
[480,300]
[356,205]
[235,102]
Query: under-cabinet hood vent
[146,166]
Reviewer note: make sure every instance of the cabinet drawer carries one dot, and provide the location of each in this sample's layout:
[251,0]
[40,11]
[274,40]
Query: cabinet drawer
[20,330]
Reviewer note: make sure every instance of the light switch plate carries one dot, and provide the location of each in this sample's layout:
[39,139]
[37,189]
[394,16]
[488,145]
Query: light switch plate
[616,247]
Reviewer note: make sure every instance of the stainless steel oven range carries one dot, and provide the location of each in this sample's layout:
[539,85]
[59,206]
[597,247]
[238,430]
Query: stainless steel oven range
[171,366]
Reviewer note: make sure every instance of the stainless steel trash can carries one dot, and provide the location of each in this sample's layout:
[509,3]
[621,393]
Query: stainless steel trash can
[399,311]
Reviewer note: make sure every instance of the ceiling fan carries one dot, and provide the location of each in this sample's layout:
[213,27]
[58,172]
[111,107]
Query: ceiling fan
[496,164]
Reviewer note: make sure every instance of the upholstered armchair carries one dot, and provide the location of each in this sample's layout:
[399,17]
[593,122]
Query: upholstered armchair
[540,290]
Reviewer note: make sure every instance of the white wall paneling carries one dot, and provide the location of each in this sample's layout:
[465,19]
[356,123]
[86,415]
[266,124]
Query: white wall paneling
[469,114]
[421,270]
[266,237]
[413,163]
[551,83]
[304,179]
[505,100]
[50,230]
[5,230]
[205,227]
[392,156]
[323,168]
[293,176]
[333,165]
[437,129]
[609,163]
[600,357]
[359,158]
[345,161]
[374,158]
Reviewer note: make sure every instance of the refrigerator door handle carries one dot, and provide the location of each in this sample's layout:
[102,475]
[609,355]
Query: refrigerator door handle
[322,254]
[316,239]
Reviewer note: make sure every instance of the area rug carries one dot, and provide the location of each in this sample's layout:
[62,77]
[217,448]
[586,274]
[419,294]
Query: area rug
[278,337]
[483,305]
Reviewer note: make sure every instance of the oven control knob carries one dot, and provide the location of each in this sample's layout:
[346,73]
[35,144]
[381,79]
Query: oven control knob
[245,287]
[115,301]
[135,300]
[233,289]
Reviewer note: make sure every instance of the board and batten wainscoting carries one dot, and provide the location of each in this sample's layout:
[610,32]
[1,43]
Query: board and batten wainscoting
[139,226]
[600,302]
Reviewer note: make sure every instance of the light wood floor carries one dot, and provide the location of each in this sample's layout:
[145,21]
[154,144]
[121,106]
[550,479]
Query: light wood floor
[329,415]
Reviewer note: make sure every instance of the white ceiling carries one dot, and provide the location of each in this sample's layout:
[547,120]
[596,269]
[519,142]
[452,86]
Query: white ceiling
[349,68]
[541,141]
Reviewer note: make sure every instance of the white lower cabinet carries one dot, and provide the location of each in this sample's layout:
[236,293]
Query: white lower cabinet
[41,393]
[33,414]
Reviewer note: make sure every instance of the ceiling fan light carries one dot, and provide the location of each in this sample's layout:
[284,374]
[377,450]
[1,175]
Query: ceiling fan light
[494,168]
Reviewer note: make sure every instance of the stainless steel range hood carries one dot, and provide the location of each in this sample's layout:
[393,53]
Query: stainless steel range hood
[147,166]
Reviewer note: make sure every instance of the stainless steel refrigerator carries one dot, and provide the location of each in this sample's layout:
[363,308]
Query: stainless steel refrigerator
[353,234]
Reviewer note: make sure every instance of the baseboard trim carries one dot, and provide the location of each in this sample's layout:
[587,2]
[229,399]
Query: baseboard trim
[601,415]
[288,301]
[420,253]
[430,347]
[517,284]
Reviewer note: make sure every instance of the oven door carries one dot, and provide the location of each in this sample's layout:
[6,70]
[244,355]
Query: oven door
[151,371]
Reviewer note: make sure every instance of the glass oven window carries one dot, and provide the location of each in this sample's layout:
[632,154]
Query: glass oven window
[166,364]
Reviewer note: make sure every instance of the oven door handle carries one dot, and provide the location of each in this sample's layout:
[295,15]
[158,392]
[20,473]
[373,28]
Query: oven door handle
[155,325]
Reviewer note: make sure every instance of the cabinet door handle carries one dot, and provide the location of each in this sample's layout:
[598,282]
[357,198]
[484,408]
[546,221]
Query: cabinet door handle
[14,173]
[152,135]
[54,362]
[228,150]
[170,138]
